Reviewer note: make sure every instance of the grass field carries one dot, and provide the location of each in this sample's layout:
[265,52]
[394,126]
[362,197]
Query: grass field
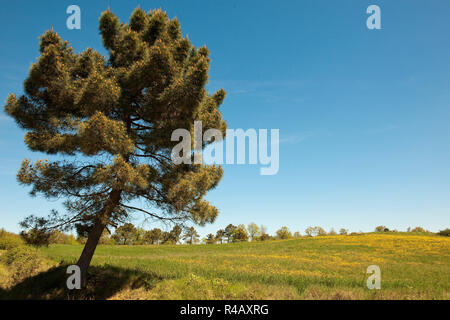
[329,267]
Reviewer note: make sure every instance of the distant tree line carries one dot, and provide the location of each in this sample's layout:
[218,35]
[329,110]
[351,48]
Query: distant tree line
[129,234]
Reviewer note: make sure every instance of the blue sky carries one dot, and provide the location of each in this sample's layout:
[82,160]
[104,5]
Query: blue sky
[363,114]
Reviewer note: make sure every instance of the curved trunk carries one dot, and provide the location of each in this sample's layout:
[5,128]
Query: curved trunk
[100,223]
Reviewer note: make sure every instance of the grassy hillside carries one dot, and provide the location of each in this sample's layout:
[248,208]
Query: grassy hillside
[329,267]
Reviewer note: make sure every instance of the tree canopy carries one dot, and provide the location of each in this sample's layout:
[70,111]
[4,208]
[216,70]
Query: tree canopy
[112,119]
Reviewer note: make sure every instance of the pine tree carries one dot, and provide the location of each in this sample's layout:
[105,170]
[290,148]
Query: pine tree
[175,234]
[125,234]
[240,234]
[191,235]
[220,234]
[114,116]
[210,239]
[153,236]
[229,232]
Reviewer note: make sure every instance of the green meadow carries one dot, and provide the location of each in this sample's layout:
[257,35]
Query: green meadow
[328,267]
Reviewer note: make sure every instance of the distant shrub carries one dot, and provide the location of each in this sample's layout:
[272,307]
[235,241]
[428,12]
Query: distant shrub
[240,234]
[36,237]
[381,229]
[106,240]
[9,240]
[343,231]
[210,239]
[125,234]
[40,237]
[445,233]
[265,237]
[419,230]
[23,262]
[320,231]
[332,232]
[58,237]
[284,233]
[5,278]
[315,231]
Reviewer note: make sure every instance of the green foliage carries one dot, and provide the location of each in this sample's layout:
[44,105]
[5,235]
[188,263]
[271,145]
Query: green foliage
[445,232]
[125,234]
[210,239]
[381,229]
[253,231]
[118,113]
[265,237]
[191,236]
[309,231]
[105,238]
[229,232]
[419,230]
[5,278]
[9,240]
[314,267]
[284,233]
[315,231]
[234,233]
[153,236]
[320,231]
[36,237]
[23,262]
[58,237]
[220,235]
[240,234]
[139,236]
[174,235]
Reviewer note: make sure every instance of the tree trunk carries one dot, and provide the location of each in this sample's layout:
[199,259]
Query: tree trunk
[100,223]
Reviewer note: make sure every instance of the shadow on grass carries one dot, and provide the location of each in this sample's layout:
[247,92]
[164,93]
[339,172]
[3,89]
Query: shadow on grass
[103,283]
